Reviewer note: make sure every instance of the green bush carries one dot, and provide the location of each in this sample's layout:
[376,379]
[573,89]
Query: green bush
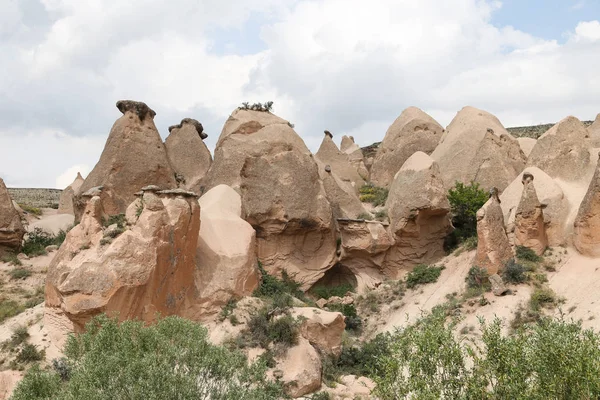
[465,201]
[477,278]
[29,353]
[31,210]
[266,327]
[171,359]
[325,292]
[542,297]
[270,286]
[36,242]
[12,259]
[353,321]
[525,253]
[118,219]
[9,308]
[19,273]
[423,274]
[514,272]
[375,195]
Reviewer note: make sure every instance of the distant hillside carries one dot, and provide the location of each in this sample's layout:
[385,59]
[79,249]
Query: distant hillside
[36,197]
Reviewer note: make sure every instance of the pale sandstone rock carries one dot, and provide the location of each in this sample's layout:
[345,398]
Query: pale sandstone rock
[51,248]
[300,369]
[493,248]
[188,154]
[65,203]
[530,230]
[476,147]
[498,286]
[329,154]
[419,214]
[586,236]
[323,329]
[347,143]
[412,131]
[134,156]
[526,144]
[11,228]
[563,151]
[594,132]
[8,382]
[342,196]
[53,224]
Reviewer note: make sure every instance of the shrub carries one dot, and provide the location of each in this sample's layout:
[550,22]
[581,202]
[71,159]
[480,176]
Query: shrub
[525,253]
[381,215]
[36,242]
[171,359]
[542,297]
[375,195]
[353,321]
[30,209]
[19,273]
[20,335]
[514,272]
[320,396]
[227,309]
[12,259]
[29,353]
[365,215]
[325,292]
[477,278]
[465,201]
[118,219]
[423,274]
[271,286]
[9,308]
[265,327]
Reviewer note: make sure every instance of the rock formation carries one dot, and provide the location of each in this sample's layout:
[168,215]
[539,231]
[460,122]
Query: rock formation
[323,329]
[300,369]
[341,194]
[530,228]
[355,156]
[586,237]
[347,144]
[188,155]
[527,144]
[65,203]
[412,131]
[563,151]
[134,156]
[329,154]
[594,132]
[262,157]
[493,248]
[11,229]
[133,271]
[476,147]
[419,214]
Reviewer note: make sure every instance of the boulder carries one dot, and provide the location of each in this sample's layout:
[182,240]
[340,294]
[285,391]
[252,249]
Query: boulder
[329,154]
[526,145]
[476,147]
[226,266]
[11,228]
[419,214]
[341,194]
[65,202]
[594,132]
[145,270]
[586,236]
[188,154]
[563,151]
[493,247]
[134,156]
[412,131]
[530,230]
[300,369]
[551,197]
[323,329]
[498,286]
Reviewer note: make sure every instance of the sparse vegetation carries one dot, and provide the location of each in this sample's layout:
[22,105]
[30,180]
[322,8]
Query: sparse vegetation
[9,308]
[31,210]
[375,195]
[525,253]
[514,272]
[423,274]
[465,201]
[36,242]
[381,215]
[29,353]
[12,259]
[325,292]
[365,215]
[266,107]
[353,321]
[227,309]
[19,273]
[270,286]
[118,219]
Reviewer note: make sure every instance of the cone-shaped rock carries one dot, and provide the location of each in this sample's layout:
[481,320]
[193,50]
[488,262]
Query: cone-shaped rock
[347,144]
[493,248]
[563,151]
[476,147]
[530,230]
[527,144]
[11,229]
[188,154]
[341,194]
[586,236]
[419,214]
[65,203]
[355,156]
[134,156]
[412,131]
[329,154]
[594,132]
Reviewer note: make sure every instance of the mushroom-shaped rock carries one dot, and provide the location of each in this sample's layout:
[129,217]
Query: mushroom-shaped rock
[476,147]
[226,264]
[340,164]
[134,156]
[301,369]
[594,132]
[419,214]
[347,144]
[493,248]
[11,228]
[412,131]
[530,230]
[563,151]
[586,237]
[137,271]
[341,194]
[323,329]
[65,203]
[527,144]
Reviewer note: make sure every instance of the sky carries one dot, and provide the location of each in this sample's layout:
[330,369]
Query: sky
[348,66]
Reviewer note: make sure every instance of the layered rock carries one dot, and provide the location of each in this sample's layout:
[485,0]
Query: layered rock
[329,154]
[262,157]
[493,247]
[412,131]
[134,156]
[476,147]
[323,329]
[586,237]
[563,151]
[419,214]
[145,270]
[594,132]
[526,144]
[65,203]
[530,230]
[188,154]
[11,228]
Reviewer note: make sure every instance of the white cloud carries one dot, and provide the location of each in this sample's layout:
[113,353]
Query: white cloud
[67,177]
[587,31]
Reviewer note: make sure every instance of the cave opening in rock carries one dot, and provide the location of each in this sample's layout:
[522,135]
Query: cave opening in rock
[338,275]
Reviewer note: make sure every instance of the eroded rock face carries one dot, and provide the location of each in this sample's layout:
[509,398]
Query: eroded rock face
[586,237]
[188,154]
[563,151]
[329,154]
[323,329]
[530,230]
[355,156]
[493,248]
[301,369]
[419,215]
[11,228]
[65,203]
[476,147]
[527,144]
[134,156]
[594,132]
[145,270]
[341,194]
[412,131]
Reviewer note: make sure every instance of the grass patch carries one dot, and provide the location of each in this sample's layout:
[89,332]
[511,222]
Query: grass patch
[118,219]
[9,308]
[525,253]
[19,273]
[364,215]
[30,353]
[375,195]
[270,286]
[31,210]
[36,242]
[514,272]
[325,292]
[12,259]
[423,274]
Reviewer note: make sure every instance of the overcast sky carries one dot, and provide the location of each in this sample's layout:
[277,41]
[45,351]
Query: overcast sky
[349,66]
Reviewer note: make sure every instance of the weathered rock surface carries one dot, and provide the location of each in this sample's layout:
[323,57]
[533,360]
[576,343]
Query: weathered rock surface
[526,144]
[355,156]
[594,132]
[11,228]
[8,382]
[53,224]
[341,194]
[419,216]
[301,369]
[493,248]
[498,286]
[563,151]
[323,329]
[586,236]
[476,147]
[134,156]
[65,203]
[412,131]
[348,144]
[188,154]
[530,228]
[329,154]
[147,269]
